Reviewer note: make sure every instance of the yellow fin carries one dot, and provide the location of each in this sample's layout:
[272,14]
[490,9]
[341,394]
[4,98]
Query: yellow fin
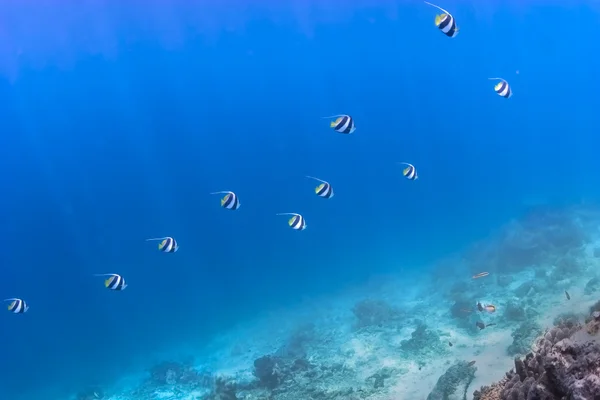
[440,18]
[319,188]
[406,170]
[162,244]
[292,220]
[224,199]
[12,305]
[498,86]
[109,281]
[334,123]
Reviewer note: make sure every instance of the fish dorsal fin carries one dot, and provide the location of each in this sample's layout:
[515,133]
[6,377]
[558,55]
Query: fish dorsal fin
[319,188]
[225,199]
[440,18]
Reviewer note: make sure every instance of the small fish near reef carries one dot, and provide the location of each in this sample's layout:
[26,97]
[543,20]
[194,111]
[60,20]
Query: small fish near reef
[297,222]
[445,22]
[471,363]
[324,189]
[230,201]
[480,275]
[502,88]
[450,344]
[17,306]
[567,295]
[114,282]
[490,308]
[410,172]
[482,326]
[167,244]
[343,123]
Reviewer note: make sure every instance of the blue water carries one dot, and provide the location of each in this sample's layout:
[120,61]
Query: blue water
[117,123]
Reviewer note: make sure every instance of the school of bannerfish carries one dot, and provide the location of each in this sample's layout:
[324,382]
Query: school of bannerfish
[341,123]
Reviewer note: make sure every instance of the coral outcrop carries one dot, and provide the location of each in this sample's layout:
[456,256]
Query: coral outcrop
[564,365]
[457,378]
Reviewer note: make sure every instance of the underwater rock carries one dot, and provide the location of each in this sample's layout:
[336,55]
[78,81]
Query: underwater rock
[170,373]
[268,372]
[592,286]
[422,341]
[374,313]
[523,338]
[298,341]
[456,378]
[567,318]
[514,312]
[564,365]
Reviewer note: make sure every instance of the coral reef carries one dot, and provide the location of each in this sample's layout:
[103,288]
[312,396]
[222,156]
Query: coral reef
[564,365]
[523,338]
[458,376]
[422,341]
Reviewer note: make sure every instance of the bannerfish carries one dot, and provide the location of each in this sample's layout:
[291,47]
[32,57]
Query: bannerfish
[17,306]
[490,308]
[445,22]
[323,190]
[230,201]
[480,275]
[568,296]
[343,123]
[167,244]
[114,282]
[297,222]
[410,172]
[502,88]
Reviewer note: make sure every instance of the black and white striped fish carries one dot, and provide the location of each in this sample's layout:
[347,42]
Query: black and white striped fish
[410,172]
[297,222]
[230,201]
[502,88]
[114,281]
[445,22]
[167,244]
[323,190]
[17,306]
[343,123]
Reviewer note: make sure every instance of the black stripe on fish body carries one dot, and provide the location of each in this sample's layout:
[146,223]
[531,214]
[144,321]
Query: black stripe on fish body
[446,22]
[453,30]
[113,282]
[236,203]
[350,126]
[295,221]
[163,244]
[340,125]
[323,189]
[118,283]
[503,89]
[229,199]
[18,307]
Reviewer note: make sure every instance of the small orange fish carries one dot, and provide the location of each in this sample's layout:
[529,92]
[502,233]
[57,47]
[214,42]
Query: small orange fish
[486,307]
[480,275]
